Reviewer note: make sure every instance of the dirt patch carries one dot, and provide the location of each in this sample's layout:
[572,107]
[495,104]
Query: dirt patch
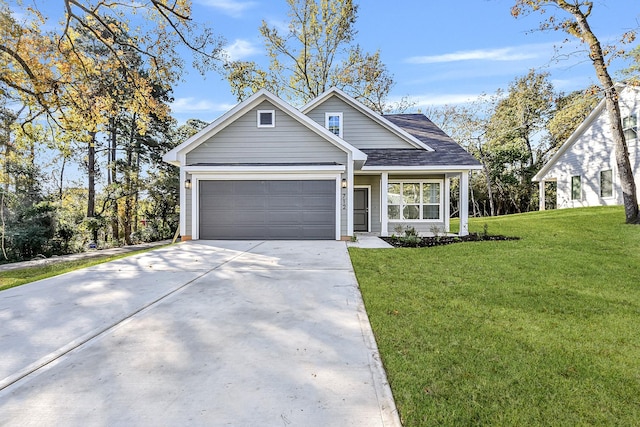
[427,242]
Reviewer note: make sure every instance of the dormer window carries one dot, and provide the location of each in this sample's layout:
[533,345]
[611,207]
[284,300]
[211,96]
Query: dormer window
[266,118]
[630,127]
[333,122]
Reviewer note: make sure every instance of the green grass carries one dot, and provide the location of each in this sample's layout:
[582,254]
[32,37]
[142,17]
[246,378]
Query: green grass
[540,331]
[13,278]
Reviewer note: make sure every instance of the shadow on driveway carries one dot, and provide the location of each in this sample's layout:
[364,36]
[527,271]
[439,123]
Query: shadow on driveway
[205,333]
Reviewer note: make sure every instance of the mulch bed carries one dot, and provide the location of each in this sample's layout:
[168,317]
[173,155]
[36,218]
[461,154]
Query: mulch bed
[427,242]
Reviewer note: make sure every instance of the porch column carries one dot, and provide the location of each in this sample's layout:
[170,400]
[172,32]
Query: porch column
[384,211]
[350,184]
[542,195]
[464,203]
[447,203]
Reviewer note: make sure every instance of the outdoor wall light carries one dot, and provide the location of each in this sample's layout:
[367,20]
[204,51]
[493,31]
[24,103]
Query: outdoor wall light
[187,184]
[344,183]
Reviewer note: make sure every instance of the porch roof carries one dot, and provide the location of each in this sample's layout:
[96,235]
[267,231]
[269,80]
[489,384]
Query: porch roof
[446,151]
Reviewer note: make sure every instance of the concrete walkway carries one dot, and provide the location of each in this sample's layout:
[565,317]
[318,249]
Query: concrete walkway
[199,333]
[101,253]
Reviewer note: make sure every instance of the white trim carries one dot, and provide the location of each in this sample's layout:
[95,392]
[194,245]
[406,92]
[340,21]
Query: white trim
[183,202]
[447,203]
[350,182]
[368,112]
[339,207]
[384,212]
[368,187]
[442,169]
[464,204]
[265,169]
[421,204]
[244,176]
[341,125]
[273,118]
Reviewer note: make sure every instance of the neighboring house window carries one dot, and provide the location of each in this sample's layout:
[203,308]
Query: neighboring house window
[630,127]
[576,191]
[606,183]
[333,122]
[419,200]
[266,118]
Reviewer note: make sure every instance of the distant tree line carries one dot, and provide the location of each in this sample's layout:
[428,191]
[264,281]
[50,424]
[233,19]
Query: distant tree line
[91,94]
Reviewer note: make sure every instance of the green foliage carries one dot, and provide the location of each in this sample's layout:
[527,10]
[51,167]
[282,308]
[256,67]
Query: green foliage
[512,151]
[316,53]
[571,111]
[31,232]
[539,331]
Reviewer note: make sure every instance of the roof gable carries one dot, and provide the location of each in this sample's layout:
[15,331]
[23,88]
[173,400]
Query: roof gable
[177,155]
[581,129]
[367,112]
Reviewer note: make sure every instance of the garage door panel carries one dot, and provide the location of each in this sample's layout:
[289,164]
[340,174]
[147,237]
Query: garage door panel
[267,209]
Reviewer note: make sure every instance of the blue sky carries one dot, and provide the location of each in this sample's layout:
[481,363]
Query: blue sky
[439,51]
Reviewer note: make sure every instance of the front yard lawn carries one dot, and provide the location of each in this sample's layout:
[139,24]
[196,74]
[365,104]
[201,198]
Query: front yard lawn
[540,331]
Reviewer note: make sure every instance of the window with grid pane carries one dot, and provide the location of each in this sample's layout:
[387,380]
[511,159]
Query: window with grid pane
[414,200]
[576,191]
[333,122]
[606,183]
[630,127]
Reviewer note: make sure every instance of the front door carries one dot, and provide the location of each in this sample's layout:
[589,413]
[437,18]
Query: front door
[361,209]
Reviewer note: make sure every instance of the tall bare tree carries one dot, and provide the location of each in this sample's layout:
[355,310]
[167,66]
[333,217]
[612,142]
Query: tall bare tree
[577,25]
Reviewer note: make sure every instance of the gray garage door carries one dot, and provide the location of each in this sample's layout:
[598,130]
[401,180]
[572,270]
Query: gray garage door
[267,209]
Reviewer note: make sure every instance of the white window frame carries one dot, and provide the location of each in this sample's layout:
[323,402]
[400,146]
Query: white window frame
[630,127]
[421,204]
[327,116]
[579,188]
[273,118]
[611,184]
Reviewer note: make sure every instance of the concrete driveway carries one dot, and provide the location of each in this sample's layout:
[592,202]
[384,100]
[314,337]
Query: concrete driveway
[201,333]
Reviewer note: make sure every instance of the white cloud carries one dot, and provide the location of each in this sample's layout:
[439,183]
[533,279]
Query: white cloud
[233,8]
[240,49]
[444,99]
[503,54]
[191,105]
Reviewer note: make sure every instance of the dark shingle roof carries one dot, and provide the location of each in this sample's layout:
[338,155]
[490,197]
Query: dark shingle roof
[446,151]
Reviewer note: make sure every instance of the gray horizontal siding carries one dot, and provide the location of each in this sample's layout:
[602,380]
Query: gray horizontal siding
[358,130]
[244,142]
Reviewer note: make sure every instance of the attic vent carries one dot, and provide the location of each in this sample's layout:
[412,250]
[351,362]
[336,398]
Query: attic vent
[266,118]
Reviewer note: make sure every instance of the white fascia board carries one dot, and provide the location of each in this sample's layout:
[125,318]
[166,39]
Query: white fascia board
[451,168]
[570,141]
[331,169]
[367,112]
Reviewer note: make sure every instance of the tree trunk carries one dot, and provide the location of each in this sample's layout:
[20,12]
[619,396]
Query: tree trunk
[91,171]
[61,189]
[485,169]
[625,173]
[128,187]
[113,144]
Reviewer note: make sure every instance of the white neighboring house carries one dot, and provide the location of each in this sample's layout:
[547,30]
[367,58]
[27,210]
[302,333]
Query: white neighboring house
[584,167]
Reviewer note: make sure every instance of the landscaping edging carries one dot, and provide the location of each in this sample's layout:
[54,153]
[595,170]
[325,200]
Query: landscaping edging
[427,242]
